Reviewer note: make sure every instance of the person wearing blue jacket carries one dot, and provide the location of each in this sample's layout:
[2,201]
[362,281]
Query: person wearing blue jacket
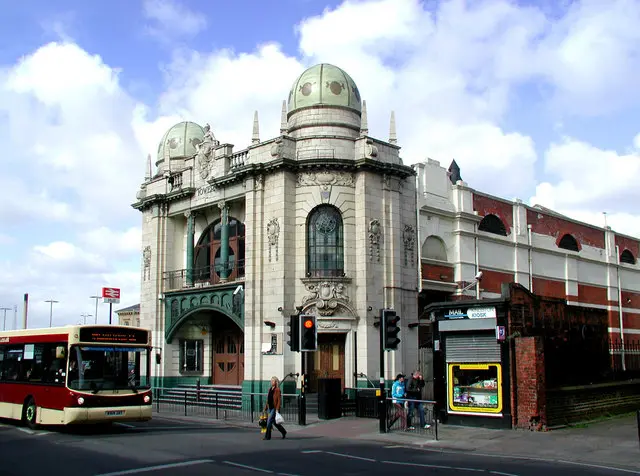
[398,394]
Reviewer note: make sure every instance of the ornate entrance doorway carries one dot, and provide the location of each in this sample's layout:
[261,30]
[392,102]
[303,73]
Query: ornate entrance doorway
[228,357]
[328,361]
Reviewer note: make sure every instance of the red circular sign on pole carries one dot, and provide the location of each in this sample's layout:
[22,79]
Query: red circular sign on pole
[308,323]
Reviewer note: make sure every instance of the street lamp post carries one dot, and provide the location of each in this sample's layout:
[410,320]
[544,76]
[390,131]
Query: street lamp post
[51,301]
[4,322]
[84,317]
[96,298]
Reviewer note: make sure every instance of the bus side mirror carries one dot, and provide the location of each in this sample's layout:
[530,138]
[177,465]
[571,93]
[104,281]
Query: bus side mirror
[158,359]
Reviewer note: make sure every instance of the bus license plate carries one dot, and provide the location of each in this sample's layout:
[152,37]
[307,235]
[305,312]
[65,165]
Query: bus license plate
[114,413]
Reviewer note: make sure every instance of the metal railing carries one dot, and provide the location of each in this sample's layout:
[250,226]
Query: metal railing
[201,277]
[220,404]
[405,415]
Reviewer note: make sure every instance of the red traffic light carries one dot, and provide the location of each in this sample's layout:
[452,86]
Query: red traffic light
[308,323]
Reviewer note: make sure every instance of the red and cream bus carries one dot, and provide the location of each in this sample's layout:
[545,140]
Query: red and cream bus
[75,374]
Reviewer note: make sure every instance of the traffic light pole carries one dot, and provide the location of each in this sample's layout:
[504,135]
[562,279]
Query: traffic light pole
[382,408]
[302,411]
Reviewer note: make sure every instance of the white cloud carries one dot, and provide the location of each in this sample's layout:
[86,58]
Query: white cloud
[170,19]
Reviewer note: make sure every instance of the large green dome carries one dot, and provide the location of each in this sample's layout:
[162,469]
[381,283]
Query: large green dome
[180,141]
[324,84]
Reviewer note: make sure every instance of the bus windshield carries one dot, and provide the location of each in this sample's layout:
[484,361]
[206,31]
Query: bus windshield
[98,368]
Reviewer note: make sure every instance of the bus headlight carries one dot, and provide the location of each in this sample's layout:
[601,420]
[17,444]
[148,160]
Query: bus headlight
[80,400]
[147,399]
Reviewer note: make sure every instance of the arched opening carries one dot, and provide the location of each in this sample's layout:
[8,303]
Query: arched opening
[208,265]
[492,224]
[627,257]
[568,242]
[325,242]
[434,248]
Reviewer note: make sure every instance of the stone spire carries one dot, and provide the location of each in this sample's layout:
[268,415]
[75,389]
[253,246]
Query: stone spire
[364,123]
[284,123]
[147,173]
[393,138]
[454,172]
[255,137]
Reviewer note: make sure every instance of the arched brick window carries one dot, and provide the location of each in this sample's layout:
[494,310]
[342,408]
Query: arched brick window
[492,224]
[207,264]
[325,242]
[568,242]
[627,257]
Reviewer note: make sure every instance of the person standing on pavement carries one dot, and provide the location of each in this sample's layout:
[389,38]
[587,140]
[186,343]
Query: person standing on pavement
[274,398]
[398,394]
[415,384]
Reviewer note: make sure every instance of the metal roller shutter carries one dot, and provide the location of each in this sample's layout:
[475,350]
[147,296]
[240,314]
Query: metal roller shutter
[472,348]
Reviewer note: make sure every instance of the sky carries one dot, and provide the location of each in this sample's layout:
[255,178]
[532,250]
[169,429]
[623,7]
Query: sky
[536,100]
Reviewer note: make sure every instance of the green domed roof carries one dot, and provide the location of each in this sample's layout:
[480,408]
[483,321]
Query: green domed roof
[180,141]
[324,84]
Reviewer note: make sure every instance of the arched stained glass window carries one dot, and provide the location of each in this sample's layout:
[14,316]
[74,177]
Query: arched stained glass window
[208,265]
[325,242]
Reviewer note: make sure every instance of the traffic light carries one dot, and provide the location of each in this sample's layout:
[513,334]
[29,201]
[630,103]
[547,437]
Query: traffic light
[294,333]
[308,333]
[391,329]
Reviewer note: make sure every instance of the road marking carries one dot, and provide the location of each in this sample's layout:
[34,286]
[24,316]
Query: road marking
[125,425]
[253,468]
[351,456]
[500,473]
[600,467]
[311,451]
[435,466]
[33,432]
[149,469]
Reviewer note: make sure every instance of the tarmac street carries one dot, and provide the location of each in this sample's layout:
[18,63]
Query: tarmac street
[168,447]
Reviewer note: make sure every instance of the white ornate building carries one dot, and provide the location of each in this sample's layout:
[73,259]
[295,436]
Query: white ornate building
[322,217]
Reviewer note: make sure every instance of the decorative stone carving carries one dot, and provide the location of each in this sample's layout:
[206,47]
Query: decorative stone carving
[327,296]
[259,182]
[276,148]
[204,152]
[375,235]
[409,240]
[371,150]
[328,324]
[273,233]
[146,262]
[326,179]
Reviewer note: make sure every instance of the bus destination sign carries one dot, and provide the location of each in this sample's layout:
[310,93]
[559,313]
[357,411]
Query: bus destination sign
[109,335]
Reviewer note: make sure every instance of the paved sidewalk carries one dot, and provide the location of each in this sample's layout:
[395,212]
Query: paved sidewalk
[612,442]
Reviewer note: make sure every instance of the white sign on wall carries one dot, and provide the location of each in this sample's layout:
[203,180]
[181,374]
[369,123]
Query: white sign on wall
[481,312]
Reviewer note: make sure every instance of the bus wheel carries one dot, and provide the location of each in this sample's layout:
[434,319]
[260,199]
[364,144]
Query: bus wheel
[29,414]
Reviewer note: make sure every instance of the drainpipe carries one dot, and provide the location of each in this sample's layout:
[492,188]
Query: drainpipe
[530,238]
[624,366]
[475,229]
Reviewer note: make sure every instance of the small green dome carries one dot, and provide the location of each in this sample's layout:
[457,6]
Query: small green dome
[324,84]
[180,141]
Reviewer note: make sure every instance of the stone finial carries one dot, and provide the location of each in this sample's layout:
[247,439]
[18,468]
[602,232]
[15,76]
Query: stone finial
[255,136]
[148,171]
[454,172]
[284,123]
[364,123]
[393,137]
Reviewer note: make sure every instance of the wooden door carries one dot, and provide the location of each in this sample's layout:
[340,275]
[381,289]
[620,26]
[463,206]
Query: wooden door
[328,360]
[228,358]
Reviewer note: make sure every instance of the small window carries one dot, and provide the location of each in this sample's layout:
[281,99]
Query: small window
[627,257]
[492,224]
[191,355]
[568,242]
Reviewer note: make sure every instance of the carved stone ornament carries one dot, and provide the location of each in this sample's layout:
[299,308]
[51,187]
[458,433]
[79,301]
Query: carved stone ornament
[328,324]
[371,149]
[375,235]
[146,262]
[326,179]
[259,182]
[204,152]
[276,148]
[327,296]
[273,233]
[409,240]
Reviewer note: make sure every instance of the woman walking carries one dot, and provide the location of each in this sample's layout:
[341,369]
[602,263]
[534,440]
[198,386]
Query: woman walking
[274,398]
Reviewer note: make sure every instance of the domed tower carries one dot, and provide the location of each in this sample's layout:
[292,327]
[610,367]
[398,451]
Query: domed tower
[179,143]
[324,100]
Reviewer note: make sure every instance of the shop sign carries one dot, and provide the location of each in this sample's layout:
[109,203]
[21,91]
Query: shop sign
[501,333]
[471,313]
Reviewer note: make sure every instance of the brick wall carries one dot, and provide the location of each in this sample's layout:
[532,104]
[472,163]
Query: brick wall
[530,385]
[490,206]
[557,227]
[435,272]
